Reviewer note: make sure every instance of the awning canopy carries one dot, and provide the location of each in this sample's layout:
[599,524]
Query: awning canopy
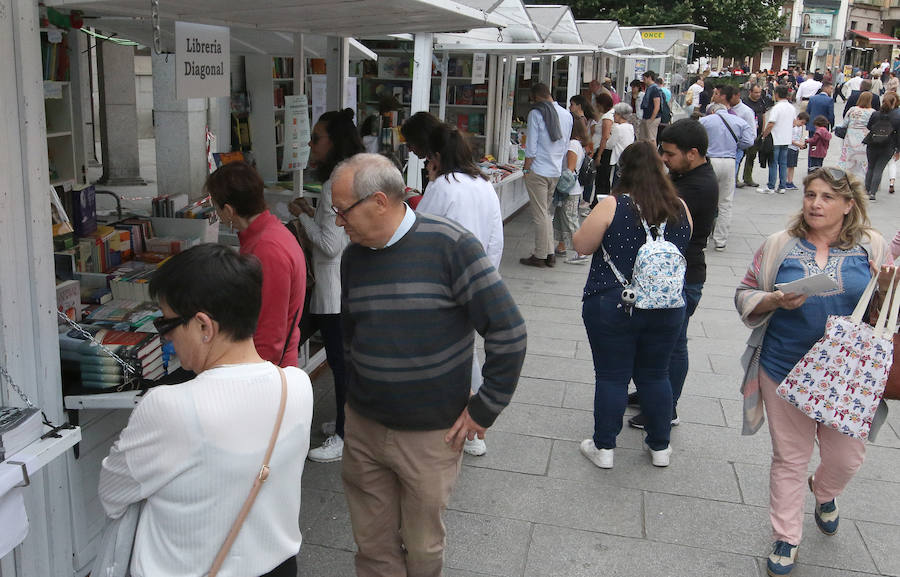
[243,40]
[554,23]
[517,48]
[324,17]
[876,37]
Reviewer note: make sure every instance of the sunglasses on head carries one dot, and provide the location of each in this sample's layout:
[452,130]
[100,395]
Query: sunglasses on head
[835,173]
[165,325]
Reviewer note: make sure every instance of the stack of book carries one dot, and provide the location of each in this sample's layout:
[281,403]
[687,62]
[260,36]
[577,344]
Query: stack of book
[124,315]
[105,248]
[90,367]
[168,204]
[19,427]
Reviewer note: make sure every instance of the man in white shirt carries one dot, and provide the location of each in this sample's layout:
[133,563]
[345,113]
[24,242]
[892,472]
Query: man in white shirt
[549,131]
[779,124]
[807,89]
[852,84]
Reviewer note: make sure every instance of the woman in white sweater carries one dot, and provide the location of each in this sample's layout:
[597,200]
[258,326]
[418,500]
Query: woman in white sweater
[334,138]
[457,190]
[192,451]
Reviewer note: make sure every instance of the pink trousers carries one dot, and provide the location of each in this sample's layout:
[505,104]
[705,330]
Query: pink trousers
[793,436]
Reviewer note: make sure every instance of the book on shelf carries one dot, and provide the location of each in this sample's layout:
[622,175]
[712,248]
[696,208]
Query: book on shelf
[282,67]
[19,427]
[167,205]
[55,59]
[86,365]
[133,313]
[68,300]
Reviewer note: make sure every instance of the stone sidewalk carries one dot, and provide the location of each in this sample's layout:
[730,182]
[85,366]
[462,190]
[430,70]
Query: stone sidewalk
[533,506]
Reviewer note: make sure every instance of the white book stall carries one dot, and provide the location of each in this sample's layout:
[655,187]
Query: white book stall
[53,481]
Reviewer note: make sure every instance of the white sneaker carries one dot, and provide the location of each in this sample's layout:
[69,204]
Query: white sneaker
[475,447]
[780,191]
[602,458]
[578,259]
[331,450]
[765,190]
[660,458]
[328,428]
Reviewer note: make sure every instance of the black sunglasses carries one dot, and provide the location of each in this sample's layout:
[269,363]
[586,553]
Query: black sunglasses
[165,325]
[835,173]
[343,213]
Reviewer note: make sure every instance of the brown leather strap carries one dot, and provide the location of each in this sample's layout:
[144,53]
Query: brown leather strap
[257,484]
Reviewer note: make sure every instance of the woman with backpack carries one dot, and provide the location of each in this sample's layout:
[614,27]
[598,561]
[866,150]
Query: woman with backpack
[882,141]
[633,306]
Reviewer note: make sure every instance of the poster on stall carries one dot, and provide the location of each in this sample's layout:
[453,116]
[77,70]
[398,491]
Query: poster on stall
[587,69]
[527,75]
[318,95]
[479,68]
[640,66]
[296,134]
[202,60]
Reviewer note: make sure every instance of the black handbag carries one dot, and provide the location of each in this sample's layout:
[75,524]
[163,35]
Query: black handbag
[840,131]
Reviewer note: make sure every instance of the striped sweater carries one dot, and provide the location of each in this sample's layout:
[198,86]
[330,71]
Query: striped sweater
[409,313]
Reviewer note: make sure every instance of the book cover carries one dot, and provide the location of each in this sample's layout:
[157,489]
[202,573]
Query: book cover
[68,300]
[19,427]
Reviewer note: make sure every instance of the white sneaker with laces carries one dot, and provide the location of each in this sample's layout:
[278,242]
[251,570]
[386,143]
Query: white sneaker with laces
[475,447]
[602,458]
[331,450]
[578,259]
[660,458]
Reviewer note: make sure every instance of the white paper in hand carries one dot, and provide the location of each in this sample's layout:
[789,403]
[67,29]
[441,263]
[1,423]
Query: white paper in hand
[809,286]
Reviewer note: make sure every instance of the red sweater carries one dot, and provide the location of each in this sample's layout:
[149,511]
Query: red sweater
[818,143]
[283,286]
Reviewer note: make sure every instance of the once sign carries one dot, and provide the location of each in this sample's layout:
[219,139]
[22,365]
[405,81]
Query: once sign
[203,55]
[653,35]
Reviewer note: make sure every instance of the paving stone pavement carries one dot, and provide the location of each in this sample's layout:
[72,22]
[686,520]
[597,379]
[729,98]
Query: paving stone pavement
[534,507]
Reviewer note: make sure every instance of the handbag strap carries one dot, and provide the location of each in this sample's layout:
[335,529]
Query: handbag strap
[257,484]
[863,303]
[883,320]
[895,310]
[728,126]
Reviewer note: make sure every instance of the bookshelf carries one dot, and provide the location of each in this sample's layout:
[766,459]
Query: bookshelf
[269,80]
[467,104]
[58,107]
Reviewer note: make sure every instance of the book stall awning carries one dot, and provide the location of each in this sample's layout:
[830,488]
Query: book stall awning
[517,48]
[243,40]
[876,37]
[340,18]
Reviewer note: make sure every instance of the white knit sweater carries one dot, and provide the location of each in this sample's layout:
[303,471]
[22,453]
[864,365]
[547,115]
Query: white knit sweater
[192,451]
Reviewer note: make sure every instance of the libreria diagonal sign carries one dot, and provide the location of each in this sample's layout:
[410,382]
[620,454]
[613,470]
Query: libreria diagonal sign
[202,60]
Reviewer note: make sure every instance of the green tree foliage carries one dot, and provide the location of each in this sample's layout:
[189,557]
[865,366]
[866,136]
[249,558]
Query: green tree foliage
[736,28]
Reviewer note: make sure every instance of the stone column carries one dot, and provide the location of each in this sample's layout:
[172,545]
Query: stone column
[118,116]
[180,134]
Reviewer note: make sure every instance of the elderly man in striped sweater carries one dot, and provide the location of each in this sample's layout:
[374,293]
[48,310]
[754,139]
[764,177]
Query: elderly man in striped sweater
[415,288]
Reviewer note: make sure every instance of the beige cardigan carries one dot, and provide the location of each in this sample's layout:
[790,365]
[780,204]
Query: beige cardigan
[758,282]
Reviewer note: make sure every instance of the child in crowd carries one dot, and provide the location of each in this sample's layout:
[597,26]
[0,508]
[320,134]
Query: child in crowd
[798,142]
[818,143]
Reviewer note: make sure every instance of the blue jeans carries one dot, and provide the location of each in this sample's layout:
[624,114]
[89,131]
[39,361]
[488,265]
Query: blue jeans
[738,157]
[625,347]
[678,364]
[778,167]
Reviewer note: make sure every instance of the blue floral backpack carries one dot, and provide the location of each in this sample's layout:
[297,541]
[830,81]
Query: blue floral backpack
[658,277]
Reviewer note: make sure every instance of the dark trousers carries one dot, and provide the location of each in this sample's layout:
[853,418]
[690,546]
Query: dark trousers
[624,346]
[749,157]
[678,364]
[814,163]
[878,159]
[601,185]
[286,569]
[330,328]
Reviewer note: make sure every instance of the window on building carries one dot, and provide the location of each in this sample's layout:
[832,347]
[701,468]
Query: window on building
[869,27]
[853,25]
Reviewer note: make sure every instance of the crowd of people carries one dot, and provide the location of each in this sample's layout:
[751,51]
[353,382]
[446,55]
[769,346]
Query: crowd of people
[402,282]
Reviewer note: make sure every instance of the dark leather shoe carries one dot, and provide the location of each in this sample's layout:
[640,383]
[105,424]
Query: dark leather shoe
[533,261]
[750,183]
[550,260]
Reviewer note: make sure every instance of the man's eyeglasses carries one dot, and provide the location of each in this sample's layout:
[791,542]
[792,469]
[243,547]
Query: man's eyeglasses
[343,213]
[165,325]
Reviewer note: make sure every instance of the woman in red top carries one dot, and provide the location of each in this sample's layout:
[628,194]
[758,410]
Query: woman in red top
[237,194]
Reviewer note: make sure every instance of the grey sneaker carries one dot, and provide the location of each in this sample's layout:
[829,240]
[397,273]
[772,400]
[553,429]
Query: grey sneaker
[331,450]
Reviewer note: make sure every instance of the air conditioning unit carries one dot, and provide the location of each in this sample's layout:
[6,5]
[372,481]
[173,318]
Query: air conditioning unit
[809,44]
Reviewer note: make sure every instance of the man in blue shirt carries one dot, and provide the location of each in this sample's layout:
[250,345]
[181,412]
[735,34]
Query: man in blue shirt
[727,133]
[650,105]
[821,105]
[549,132]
